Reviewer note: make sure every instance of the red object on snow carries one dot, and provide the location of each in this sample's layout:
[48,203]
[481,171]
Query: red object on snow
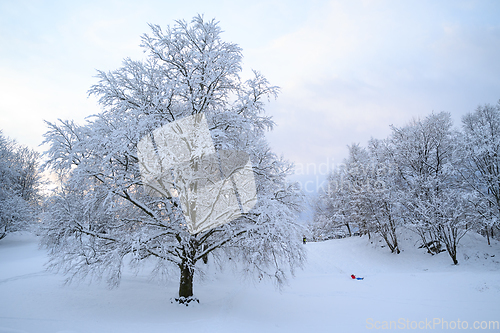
[352,276]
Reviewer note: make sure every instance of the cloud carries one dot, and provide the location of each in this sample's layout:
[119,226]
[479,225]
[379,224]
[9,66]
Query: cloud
[355,68]
[347,69]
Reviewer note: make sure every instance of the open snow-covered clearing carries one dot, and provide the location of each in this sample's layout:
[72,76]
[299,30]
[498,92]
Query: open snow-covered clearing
[407,289]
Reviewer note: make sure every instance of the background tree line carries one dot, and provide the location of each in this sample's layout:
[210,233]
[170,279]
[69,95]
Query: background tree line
[20,186]
[426,176]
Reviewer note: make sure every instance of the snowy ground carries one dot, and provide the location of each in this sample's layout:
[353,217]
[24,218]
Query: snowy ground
[407,289]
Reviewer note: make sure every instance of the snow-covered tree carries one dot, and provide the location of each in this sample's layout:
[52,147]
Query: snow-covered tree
[20,183]
[382,201]
[362,194]
[436,206]
[412,178]
[480,163]
[332,209]
[102,216]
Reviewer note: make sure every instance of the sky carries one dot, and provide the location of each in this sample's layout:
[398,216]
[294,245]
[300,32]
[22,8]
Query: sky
[347,69]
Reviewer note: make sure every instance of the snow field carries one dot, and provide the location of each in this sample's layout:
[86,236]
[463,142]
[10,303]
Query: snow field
[410,287]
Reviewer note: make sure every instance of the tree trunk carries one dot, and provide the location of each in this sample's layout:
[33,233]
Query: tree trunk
[205,257]
[453,255]
[395,241]
[3,232]
[488,235]
[186,284]
[452,251]
[396,245]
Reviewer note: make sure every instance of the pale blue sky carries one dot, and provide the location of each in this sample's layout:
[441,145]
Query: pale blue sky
[347,69]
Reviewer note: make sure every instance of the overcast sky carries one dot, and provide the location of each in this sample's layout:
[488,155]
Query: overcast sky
[347,69]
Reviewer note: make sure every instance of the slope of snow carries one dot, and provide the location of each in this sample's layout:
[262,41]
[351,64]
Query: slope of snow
[407,289]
